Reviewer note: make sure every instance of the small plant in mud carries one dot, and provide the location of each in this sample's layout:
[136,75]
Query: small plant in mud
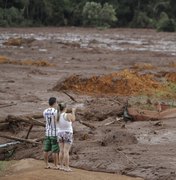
[168,92]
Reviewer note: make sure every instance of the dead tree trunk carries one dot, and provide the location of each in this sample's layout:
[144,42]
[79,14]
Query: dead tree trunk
[26,119]
[33,141]
[26,116]
[87,124]
[30,128]
[4,126]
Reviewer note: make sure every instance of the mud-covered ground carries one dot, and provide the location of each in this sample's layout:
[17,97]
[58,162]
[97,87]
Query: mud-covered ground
[31,71]
[32,169]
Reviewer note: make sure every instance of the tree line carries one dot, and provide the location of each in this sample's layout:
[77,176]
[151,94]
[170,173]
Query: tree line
[159,14]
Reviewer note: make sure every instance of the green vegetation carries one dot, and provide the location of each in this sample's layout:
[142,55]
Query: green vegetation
[168,92]
[95,14]
[3,165]
[101,13]
[166,24]
[172,87]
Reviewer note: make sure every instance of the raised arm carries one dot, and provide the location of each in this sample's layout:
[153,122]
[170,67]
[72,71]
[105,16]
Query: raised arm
[71,116]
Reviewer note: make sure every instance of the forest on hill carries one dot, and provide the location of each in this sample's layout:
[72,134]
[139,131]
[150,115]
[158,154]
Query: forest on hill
[159,14]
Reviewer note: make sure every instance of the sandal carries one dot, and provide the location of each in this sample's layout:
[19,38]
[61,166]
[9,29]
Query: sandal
[67,169]
[48,167]
[61,167]
[56,167]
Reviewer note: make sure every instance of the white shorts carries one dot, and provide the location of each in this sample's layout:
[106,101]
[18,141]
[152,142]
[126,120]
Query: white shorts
[65,137]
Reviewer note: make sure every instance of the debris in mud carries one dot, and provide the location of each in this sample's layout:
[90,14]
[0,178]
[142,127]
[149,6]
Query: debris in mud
[69,44]
[125,82]
[37,72]
[171,76]
[99,109]
[151,103]
[143,66]
[29,62]
[33,63]
[172,64]
[146,115]
[159,123]
[18,41]
[3,59]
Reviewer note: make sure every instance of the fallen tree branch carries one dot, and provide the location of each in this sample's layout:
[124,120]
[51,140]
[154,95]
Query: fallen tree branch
[7,105]
[2,119]
[40,139]
[87,124]
[148,115]
[7,81]
[4,126]
[30,128]
[29,120]
[167,118]
[37,115]
[38,122]
[117,119]
[71,97]
[20,139]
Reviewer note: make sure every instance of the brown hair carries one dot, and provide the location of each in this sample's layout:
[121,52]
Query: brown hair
[62,106]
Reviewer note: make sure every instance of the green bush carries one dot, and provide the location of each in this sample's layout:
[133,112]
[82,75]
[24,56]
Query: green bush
[166,24]
[96,15]
[91,13]
[13,16]
[3,22]
[141,20]
[107,15]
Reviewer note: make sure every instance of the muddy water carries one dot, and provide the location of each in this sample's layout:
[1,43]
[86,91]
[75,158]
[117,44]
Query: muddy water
[114,41]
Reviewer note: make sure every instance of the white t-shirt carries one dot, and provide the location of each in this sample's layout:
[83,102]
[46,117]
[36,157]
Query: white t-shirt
[64,125]
[50,116]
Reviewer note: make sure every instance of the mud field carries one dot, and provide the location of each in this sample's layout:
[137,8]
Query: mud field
[100,70]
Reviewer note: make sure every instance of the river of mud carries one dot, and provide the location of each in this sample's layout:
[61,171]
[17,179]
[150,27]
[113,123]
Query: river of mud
[114,41]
